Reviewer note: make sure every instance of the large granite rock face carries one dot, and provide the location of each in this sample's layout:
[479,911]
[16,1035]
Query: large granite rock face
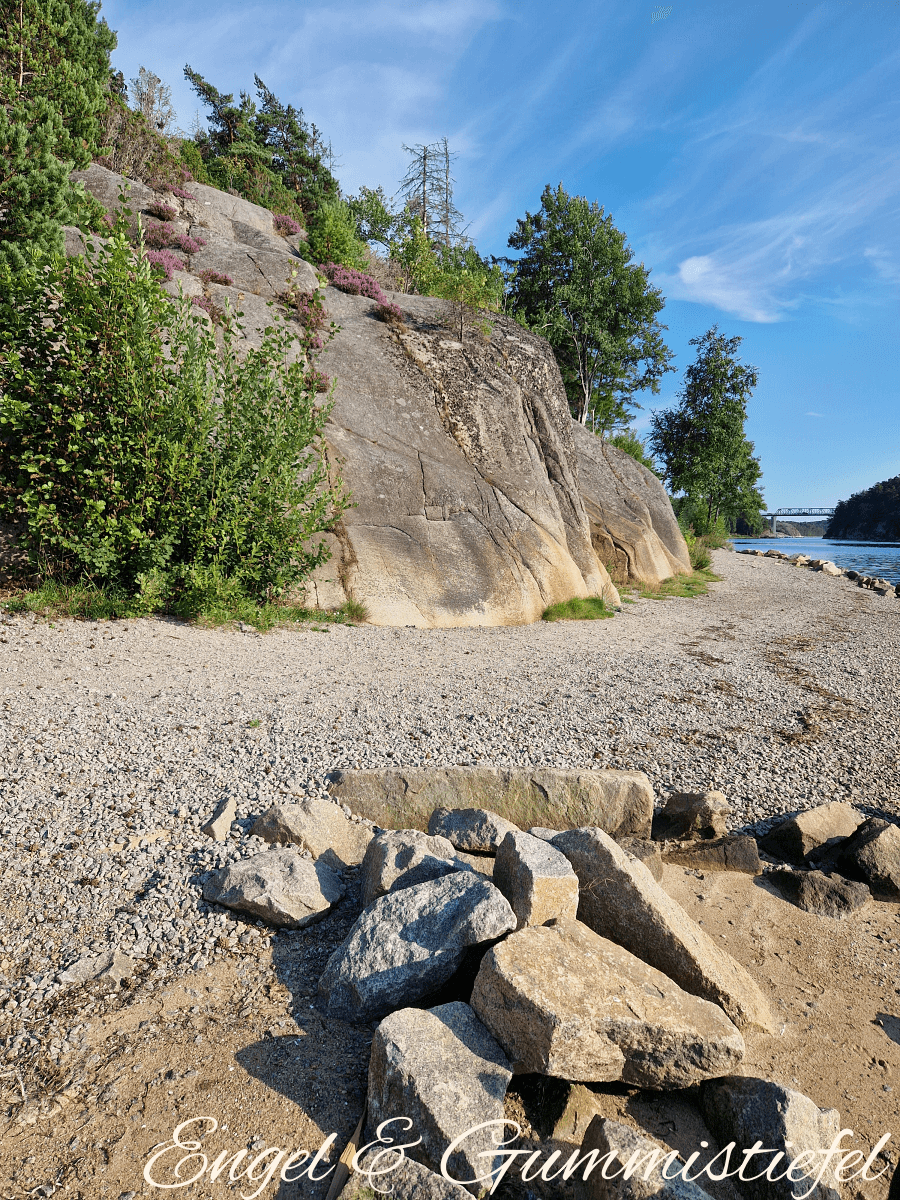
[563,1001]
[477,499]
[618,802]
[633,529]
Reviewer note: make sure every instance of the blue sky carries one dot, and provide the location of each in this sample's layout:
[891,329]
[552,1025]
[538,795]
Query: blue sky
[751,153]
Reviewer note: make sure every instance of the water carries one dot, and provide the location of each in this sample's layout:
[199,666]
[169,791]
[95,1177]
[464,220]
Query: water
[880,559]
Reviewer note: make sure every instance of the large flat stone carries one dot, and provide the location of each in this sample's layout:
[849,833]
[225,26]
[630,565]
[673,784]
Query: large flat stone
[622,901]
[635,1166]
[319,826]
[752,1111]
[536,879]
[735,852]
[619,802]
[401,858]
[278,886]
[408,943]
[561,1000]
[442,1069]
[796,837]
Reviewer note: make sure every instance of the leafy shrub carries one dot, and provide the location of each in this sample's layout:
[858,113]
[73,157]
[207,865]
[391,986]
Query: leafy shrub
[156,236]
[190,245]
[629,441]
[166,261]
[286,225]
[332,237]
[209,276]
[138,457]
[165,212]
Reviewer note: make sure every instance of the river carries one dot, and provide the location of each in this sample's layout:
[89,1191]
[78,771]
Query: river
[880,559]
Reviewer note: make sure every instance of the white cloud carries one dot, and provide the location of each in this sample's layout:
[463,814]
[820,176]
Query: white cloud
[814,414]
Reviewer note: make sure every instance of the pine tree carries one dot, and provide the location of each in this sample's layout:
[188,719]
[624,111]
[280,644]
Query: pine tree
[427,189]
[54,83]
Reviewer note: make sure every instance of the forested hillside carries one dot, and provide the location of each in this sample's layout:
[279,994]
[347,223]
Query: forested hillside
[872,515]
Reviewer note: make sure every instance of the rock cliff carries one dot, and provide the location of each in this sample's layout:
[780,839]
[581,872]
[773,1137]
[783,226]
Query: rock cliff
[477,499]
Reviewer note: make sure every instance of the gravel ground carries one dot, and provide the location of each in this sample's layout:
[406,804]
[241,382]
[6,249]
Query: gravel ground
[780,688]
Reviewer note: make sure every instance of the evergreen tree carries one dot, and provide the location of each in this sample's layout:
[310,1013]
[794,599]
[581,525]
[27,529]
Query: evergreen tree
[427,189]
[54,84]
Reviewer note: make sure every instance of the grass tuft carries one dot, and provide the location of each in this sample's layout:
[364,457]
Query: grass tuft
[678,586]
[588,608]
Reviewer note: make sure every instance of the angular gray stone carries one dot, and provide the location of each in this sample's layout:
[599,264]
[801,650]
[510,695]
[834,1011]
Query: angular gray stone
[563,1001]
[470,828]
[824,895]
[113,966]
[408,943]
[747,1110]
[621,900]
[442,1069]
[320,827]
[623,1148]
[540,831]
[406,1178]
[401,858]
[688,815]
[873,854]
[646,852]
[536,879]
[278,886]
[736,852]
[219,824]
[794,838]
[619,802]
[582,1105]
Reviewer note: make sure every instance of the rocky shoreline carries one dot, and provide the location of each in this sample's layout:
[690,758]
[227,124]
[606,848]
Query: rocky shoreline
[120,741]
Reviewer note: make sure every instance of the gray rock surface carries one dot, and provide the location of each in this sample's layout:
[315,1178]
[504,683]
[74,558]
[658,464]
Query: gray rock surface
[747,1110]
[536,879]
[401,858]
[581,1106]
[873,854]
[219,824]
[824,895]
[112,966]
[623,1147]
[733,853]
[617,801]
[692,815]
[621,900]
[278,886]
[319,826]
[633,528]
[473,829]
[646,852]
[797,837]
[408,943]
[563,1001]
[406,1179]
[442,1069]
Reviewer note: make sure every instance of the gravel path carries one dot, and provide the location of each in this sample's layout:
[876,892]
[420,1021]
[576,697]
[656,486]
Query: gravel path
[780,687]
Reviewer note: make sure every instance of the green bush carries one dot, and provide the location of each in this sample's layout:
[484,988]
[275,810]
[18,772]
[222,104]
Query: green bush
[332,238]
[629,441]
[138,457]
[590,608]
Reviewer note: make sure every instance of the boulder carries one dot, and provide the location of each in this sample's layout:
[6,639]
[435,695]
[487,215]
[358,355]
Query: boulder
[476,829]
[824,895]
[621,900]
[277,886]
[219,824]
[401,858]
[639,1168]
[732,853]
[408,943]
[646,852]
[873,854]
[563,1001]
[829,568]
[633,529]
[619,802]
[319,826]
[536,879]
[692,815]
[443,1071]
[752,1111]
[795,838]
[379,1168]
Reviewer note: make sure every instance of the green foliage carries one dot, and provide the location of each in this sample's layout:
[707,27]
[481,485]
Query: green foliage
[590,608]
[263,151]
[874,513]
[332,237]
[139,458]
[374,219]
[575,284]
[134,149]
[466,280]
[683,587]
[629,441]
[54,76]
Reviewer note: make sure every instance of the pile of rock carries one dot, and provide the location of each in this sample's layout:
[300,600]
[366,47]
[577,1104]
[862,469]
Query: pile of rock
[884,587]
[557,952]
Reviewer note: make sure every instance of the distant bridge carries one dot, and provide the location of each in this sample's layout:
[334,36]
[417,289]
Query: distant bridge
[798,512]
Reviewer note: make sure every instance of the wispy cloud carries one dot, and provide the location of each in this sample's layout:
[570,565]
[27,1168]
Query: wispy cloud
[814,414]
